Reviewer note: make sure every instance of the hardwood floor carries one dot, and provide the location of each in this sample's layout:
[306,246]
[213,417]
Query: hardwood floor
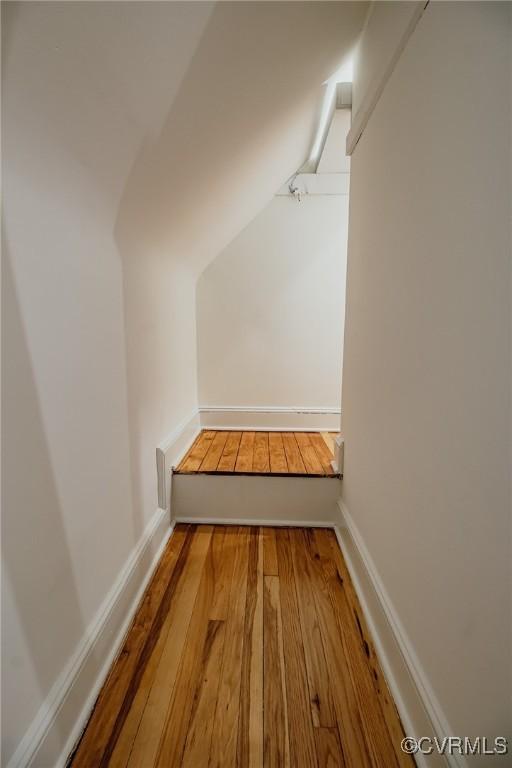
[263,453]
[249,649]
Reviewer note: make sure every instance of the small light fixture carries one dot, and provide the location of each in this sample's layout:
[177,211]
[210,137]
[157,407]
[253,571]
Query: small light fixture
[295,190]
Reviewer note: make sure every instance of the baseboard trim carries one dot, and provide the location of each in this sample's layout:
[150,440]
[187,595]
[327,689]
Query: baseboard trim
[256,521]
[271,418]
[170,452]
[63,715]
[416,702]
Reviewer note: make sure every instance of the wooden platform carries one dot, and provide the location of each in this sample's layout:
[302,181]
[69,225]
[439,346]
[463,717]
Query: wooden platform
[261,453]
[249,649]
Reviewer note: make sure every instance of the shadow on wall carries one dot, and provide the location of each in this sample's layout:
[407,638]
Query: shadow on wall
[37,567]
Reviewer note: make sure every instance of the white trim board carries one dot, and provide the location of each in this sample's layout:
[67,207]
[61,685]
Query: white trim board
[271,418]
[416,702]
[63,715]
[376,89]
[255,522]
[290,500]
[170,452]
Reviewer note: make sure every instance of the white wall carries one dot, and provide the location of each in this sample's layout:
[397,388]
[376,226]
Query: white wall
[122,178]
[78,448]
[385,25]
[270,312]
[333,158]
[427,382]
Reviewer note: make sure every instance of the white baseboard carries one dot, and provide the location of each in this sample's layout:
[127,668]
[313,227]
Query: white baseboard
[65,711]
[416,702]
[256,521]
[170,452]
[273,419]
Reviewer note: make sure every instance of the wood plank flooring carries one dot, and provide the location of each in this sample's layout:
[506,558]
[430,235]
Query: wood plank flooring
[261,453]
[249,649]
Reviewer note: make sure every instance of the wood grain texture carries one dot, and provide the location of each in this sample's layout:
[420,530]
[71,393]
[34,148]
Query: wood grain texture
[300,724]
[381,726]
[328,748]
[224,747]
[356,652]
[322,451]
[118,693]
[197,452]
[278,462]
[293,457]
[275,729]
[223,543]
[261,463]
[380,685]
[270,567]
[250,718]
[348,716]
[212,458]
[260,453]
[328,438]
[249,649]
[309,455]
[200,726]
[228,459]
[193,660]
[160,691]
[322,708]
[245,458]
[123,748]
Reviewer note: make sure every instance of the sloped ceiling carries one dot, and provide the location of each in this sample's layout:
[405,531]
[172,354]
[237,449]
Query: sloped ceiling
[188,115]
[241,122]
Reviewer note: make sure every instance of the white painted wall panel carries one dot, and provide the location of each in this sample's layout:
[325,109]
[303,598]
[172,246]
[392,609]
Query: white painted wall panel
[426,389]
[270,311]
